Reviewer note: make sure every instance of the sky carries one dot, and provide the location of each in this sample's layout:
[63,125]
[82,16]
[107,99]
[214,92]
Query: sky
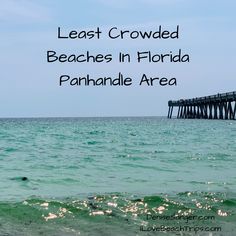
[29,86]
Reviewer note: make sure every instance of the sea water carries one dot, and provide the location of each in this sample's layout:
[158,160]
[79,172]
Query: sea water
[117,176]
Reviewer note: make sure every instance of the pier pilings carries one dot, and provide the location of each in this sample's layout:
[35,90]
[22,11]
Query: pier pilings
[219,106]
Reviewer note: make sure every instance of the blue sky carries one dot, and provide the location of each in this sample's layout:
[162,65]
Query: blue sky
[29,85]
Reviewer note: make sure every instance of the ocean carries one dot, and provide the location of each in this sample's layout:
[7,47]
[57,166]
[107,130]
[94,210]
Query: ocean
[117,176]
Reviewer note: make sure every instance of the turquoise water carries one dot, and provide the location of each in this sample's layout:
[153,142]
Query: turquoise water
[113,176]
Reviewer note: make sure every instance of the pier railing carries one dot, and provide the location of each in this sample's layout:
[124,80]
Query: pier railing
[219,106]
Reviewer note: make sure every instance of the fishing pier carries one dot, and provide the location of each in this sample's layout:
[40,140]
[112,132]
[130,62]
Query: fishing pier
[219,106]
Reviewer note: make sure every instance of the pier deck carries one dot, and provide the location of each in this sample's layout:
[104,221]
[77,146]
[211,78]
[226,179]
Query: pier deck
[219,106]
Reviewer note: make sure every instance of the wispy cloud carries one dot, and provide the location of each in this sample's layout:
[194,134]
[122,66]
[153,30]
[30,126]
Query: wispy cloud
[22,11]
[125,3]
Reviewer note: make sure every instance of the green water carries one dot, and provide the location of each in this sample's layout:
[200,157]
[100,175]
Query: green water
[117,176]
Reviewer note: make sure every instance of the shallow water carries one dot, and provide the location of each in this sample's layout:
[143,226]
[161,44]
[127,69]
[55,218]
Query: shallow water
[103,176]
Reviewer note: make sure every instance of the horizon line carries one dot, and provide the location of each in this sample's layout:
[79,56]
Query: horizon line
[60,117]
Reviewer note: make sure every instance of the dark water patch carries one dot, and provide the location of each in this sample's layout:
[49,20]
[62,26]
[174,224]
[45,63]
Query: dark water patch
[230,202]
[132,134]
[93,142]
[197,182]
[11,149]
[96,132]
[20,178]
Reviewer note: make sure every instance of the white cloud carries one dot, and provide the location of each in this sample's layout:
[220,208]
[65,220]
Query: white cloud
[22,11]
